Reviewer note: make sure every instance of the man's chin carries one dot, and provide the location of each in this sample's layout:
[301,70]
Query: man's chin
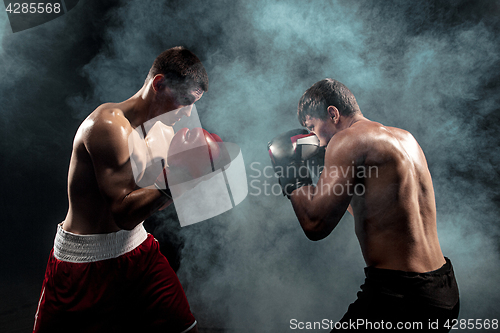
[171,122]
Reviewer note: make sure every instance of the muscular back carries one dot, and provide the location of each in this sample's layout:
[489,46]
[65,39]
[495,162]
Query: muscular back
[382,174]
[395,216]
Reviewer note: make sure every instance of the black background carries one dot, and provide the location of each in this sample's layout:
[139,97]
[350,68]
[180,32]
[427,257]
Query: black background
[431,67]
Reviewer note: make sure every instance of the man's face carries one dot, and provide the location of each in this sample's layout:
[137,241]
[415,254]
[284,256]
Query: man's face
[323,129]
[186,96]
[184,100]
[179,101]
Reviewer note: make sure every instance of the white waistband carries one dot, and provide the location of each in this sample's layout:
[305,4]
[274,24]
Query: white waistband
[88,248]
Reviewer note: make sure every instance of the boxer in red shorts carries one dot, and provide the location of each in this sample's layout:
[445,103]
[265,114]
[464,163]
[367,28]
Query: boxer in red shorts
[105,272]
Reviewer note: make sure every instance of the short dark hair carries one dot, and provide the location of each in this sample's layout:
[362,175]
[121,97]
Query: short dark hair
[180,66]
[321,95]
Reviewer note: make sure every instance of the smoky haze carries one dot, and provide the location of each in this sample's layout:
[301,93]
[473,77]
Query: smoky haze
[429,67]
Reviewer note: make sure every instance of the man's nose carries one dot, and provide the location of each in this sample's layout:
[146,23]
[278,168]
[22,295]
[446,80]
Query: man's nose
[186,110]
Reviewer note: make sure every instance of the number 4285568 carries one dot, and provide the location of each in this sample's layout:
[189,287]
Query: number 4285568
[471,324]
[33,8]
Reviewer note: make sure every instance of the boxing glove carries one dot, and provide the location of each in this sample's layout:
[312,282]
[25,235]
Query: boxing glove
[290,153]
[223,160]
[192,155]
[161,182]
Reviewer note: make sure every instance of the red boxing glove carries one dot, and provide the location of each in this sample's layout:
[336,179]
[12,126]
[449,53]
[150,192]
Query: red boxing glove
[161,182]
[224,157]
[216,137]
[193,154]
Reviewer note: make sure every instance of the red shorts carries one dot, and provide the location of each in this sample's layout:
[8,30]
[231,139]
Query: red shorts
[135,291]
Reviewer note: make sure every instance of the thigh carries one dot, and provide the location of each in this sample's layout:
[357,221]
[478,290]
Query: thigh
[164,303]
[372,312]
[78,297]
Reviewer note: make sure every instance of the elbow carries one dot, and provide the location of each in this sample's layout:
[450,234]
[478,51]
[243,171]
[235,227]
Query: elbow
[122,218]
[126,214]
[314,235]
[126,226]
[123,221]
[314,230]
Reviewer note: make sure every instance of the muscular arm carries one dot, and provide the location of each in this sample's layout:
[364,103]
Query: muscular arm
[319,208]
[107,144]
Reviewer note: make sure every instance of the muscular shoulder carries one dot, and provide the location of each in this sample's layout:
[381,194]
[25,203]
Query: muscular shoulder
[354,142]
[104,128]
[385,143]
[371,140]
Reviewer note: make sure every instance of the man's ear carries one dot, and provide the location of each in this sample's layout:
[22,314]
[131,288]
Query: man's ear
[333,113]
[158,82]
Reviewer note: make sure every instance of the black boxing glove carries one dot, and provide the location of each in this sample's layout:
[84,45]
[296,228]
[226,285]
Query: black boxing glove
[290,153]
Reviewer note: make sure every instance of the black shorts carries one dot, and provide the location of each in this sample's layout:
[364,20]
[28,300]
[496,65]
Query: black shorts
[392,300]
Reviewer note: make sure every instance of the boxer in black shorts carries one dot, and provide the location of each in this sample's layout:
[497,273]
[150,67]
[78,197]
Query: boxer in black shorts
[407,300]
[380,175]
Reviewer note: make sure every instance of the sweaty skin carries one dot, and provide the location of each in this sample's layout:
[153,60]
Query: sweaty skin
[103,196]
[392,201]
[102,192]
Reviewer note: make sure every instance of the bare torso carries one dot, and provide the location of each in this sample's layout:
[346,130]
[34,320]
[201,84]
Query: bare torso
[380,175]
[103,195]
[89,212]
[395,217]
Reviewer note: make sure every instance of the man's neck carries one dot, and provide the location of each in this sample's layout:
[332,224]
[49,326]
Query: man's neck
[137,108]
[352,120]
